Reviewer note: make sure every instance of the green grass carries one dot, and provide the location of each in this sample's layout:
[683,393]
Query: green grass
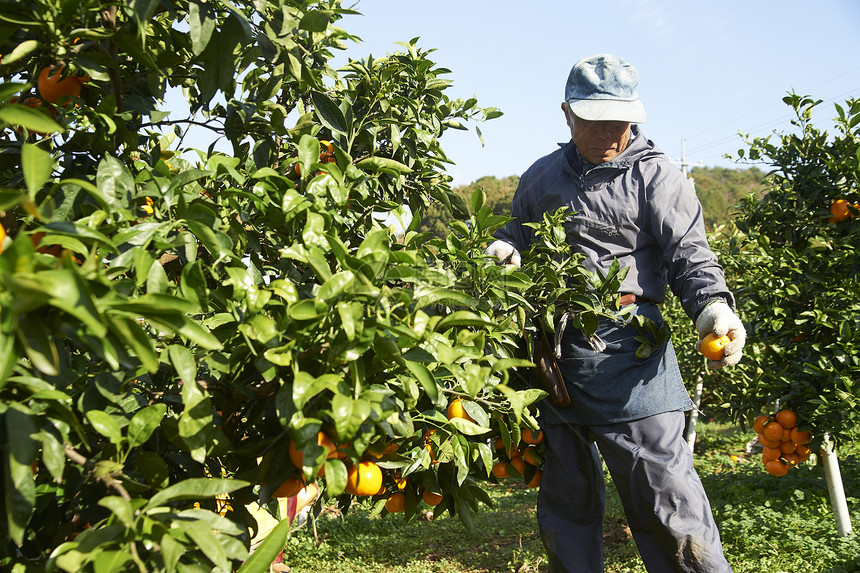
[768,525]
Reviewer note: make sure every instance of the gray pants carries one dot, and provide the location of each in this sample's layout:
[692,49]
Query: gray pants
[666,506]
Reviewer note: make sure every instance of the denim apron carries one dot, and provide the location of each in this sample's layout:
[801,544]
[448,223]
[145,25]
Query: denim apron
[613,385]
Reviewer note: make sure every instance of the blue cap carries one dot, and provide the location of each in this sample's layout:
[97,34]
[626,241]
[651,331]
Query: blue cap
[603,88]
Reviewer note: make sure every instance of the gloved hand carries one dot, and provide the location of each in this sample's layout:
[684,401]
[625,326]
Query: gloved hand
[719,318]
[505,252]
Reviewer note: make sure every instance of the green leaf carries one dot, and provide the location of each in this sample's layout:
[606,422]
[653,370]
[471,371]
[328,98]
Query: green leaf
[144,423]
[132,333]
[20,51]
[329,113]
[143,9]
[106,425]
[263,556]
[29,118]
[335,285]
[316,20]
[110,561]
[115,182]
[304,309]
[187,327]
[349,414]
[201,20]
[469,428]
[305,386]
[19,484]
[462,318]
[183,361]
[383,165]
[172,551]
[120,507]
[39,344]
[425,378]
[37,165]
[195,488]
[205,539]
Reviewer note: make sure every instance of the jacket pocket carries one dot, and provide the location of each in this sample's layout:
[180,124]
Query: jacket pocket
[580,225]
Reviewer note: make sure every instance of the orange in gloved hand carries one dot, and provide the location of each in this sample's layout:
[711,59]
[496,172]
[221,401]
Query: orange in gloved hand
[712,346]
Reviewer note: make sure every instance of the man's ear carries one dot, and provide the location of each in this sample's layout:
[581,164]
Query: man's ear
[564,110]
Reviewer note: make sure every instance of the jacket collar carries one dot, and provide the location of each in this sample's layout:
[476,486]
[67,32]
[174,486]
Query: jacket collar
[637,147]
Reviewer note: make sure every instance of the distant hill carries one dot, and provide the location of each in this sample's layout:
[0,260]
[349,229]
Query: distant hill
[719,190]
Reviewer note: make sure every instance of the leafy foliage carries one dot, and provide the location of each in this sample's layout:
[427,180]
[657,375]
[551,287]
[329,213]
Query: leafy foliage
[797,280]
[170,327]
[499,193]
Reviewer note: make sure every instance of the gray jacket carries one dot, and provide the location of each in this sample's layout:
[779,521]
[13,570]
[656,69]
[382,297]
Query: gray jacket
[637,208]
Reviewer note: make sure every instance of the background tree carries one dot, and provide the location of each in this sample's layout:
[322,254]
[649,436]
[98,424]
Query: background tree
[721,190]
[795,257]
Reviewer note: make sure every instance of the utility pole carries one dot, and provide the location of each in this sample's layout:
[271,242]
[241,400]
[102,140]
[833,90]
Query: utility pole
[683,161]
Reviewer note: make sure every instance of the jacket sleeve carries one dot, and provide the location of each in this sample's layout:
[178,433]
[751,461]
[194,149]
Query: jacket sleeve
[694,273]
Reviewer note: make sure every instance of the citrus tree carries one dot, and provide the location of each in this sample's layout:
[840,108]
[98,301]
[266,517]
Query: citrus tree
[795,258]
[187,333]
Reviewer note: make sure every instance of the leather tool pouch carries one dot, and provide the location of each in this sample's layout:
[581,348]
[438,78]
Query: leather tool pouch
[548,371]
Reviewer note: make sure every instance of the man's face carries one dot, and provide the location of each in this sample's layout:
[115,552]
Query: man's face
[597,141]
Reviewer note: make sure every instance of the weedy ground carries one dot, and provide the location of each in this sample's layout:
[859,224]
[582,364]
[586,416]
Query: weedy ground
[768,524]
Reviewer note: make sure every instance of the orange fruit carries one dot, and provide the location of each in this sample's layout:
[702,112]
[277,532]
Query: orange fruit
[519,464]
[499,444]
[768,454]
[536,479]
[792,459]
[290,487]
[803,451]
[297,456]
[712,346]
[773,431]
[530,456]
[532,437]
[456,410]
[396,502]
[363,479]
[401,483]
[776,468]
[787,447]
[430,498]
[840,212]
[801,437]
[54,88]
[786,418]
[764,441]
[500,470]
[2,237]
[758,425]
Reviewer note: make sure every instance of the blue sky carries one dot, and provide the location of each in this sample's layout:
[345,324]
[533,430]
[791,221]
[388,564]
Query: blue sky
[708,70]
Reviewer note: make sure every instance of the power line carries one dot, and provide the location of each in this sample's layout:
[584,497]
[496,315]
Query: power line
[770,124]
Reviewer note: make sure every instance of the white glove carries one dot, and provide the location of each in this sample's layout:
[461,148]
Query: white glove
[505,252]
[719,318]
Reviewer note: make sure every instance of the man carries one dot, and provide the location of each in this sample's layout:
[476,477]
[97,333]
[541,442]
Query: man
[627,202]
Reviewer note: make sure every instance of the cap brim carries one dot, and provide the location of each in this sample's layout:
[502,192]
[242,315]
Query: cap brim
[608,110]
